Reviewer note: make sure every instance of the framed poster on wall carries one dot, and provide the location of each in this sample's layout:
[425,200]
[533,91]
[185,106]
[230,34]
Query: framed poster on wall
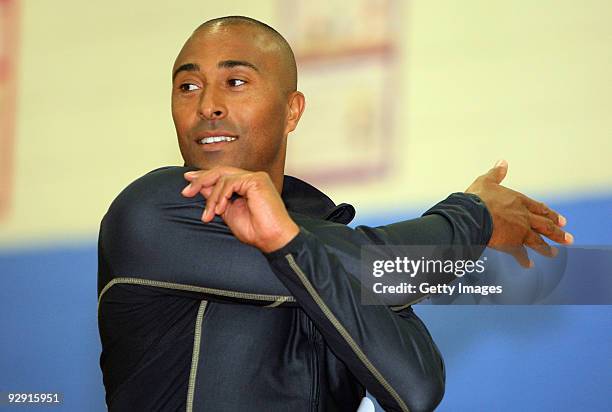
[346,60]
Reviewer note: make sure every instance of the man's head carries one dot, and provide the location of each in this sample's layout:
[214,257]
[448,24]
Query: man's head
[235,77]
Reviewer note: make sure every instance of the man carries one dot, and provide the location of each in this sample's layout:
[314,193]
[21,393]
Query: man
[239,290]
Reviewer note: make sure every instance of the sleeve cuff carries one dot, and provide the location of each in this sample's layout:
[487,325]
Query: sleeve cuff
[482,229]
[295,245]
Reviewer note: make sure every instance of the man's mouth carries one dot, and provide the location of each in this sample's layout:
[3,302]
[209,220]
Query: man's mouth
[216,139]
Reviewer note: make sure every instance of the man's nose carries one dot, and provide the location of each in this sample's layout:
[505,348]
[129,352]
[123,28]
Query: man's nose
[211,105]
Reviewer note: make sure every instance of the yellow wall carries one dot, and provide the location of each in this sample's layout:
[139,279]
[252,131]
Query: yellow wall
[528,81]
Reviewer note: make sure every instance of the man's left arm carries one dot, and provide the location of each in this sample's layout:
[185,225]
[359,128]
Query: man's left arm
[390,353]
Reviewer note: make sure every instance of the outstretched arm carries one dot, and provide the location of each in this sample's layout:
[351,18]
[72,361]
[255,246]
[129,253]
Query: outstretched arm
[391,354]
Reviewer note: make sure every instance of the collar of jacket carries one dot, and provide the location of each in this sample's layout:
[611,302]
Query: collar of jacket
[301,197]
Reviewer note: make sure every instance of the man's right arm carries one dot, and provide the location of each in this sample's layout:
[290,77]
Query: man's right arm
[152,235]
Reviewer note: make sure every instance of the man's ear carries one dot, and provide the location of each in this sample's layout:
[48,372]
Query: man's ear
[297,103]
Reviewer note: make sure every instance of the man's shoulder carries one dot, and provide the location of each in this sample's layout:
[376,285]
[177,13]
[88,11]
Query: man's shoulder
[160,186]
[162,180]
[167,175]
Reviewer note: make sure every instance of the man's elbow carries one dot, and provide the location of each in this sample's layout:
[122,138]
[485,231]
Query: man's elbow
[422,397]
[425,391]
[426,396]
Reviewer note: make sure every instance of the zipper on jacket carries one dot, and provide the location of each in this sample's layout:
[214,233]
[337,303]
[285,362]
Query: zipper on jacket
[314,359]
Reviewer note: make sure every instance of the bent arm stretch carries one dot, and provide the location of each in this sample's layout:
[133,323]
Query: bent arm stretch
[153,235]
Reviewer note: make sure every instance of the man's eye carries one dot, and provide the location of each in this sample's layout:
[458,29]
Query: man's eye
[188,87]
[236,82]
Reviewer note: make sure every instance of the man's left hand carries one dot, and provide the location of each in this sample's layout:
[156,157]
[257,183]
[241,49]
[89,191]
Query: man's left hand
[258,217]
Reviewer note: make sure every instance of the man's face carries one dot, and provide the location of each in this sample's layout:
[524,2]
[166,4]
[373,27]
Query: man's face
[228,103]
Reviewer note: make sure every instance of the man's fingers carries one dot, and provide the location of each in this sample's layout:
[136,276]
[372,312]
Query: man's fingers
[191,189]
[541,209]
[199,179]
[548,228]
[206,191]
[241,184]
[212,199]
[222,192]
[498,172]
[191,174]
[204,178]
[538,244]
[230,186]
[519,253]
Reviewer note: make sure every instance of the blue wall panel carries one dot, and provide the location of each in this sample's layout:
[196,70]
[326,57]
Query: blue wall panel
[498,358]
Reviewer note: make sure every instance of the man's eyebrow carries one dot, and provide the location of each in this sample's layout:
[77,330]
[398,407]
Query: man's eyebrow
[228,64]
[188,67]
[224,64]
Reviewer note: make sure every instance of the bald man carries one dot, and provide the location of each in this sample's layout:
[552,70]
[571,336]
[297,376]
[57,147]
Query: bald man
[225,285]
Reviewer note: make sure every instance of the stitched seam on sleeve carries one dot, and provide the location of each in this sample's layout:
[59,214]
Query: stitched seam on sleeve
[279,299]
[195,357]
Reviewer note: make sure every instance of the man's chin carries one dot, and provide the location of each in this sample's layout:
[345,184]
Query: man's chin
[212,161]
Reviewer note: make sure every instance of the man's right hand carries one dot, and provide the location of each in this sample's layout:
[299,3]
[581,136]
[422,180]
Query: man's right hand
[517,219]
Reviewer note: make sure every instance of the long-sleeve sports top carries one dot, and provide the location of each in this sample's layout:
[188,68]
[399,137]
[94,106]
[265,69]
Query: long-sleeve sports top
[192,319]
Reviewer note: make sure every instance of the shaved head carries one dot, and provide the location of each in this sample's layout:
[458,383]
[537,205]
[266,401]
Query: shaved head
[273,39]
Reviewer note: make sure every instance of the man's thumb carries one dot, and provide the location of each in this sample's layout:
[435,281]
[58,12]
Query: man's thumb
[499,171]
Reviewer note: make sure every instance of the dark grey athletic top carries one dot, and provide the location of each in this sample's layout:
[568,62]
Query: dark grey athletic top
[190,318]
